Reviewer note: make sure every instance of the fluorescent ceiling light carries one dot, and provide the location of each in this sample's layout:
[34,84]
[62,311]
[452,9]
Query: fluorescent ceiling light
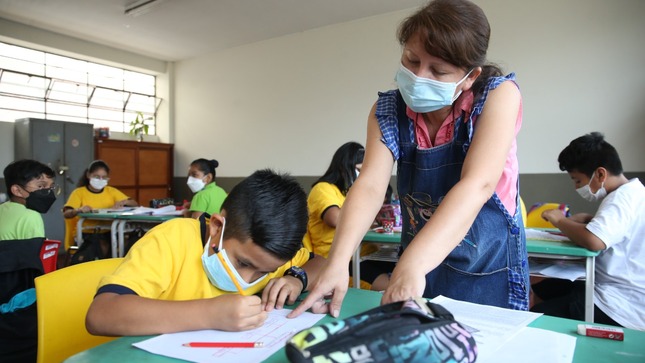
[141,7]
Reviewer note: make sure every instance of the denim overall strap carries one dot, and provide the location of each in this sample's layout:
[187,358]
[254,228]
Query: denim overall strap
[489,265]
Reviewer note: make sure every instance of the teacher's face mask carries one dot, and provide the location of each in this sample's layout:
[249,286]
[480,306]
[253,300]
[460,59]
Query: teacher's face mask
[424,94]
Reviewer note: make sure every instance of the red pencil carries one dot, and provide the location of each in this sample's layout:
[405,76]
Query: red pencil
[224,344]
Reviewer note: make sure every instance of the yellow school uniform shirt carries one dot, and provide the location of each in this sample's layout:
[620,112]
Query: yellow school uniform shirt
[166,264]
[82,196]
[319,235]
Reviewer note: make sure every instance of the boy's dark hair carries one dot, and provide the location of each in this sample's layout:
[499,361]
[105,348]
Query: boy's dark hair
[206,166]
[589,152]
[342,169]
[94,166]
[23,171]
[270,209]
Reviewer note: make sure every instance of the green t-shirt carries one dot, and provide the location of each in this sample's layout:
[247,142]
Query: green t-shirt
[208,200]
[19,222]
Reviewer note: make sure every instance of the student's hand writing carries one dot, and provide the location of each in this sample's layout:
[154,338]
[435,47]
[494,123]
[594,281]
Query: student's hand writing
[405,283]
[279,290]
[332,281]
[237,312]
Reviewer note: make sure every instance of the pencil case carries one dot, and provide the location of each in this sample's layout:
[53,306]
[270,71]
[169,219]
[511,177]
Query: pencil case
[409,331]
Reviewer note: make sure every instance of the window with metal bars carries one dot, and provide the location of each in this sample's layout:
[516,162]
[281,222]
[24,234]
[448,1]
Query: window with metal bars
[39,84]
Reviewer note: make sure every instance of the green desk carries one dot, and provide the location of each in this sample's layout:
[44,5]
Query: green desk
[117,229]
[535,248]
[588,349]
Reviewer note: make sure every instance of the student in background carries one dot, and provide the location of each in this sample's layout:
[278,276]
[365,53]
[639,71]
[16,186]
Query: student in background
[451,128]
[210,279]
[325,201]
[93,193]
[201,180]
[31,189]
[617,229]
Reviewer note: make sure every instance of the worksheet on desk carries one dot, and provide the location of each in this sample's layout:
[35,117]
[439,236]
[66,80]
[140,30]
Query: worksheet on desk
[273,334]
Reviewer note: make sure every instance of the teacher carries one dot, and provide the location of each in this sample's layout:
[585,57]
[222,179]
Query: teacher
[451,128]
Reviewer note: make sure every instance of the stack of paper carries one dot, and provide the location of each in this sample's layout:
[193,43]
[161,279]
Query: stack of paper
[502,335]
[545,235]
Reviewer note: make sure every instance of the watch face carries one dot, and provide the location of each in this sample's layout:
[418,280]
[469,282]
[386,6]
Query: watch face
[297,269]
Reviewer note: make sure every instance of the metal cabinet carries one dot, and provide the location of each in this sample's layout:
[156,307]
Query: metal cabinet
[67,147]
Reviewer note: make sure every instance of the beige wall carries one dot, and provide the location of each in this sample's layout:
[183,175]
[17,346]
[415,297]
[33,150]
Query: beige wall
[289,102]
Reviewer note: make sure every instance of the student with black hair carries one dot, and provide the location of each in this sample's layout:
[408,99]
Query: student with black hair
[93,193]
[31,189]
[192,274]
[617,230]
[325,201]
[201,180]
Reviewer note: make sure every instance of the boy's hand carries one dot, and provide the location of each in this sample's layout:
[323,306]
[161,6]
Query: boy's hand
[553,215]
[236,313]
[279,290]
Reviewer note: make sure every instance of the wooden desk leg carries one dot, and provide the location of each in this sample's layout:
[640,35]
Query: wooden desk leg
[589,288]
[113,240]
[356,267]
[79,232]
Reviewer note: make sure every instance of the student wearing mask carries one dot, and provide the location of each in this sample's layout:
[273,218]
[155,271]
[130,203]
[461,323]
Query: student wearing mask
[617,230]
[325,202]
[31,189]
[201,180]
[451,128]
[229,270]
[93,193]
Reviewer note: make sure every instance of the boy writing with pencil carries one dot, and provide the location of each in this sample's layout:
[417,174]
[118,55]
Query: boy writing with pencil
[617,229]
[188,274]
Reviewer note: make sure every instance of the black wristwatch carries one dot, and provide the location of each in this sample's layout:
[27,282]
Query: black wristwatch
[298,273]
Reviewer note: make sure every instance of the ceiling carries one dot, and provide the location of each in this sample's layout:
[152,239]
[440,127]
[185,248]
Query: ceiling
[174,30]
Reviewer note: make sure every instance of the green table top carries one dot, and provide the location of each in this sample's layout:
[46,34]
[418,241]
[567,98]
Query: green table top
[587,350]
[532,245]
[125,216]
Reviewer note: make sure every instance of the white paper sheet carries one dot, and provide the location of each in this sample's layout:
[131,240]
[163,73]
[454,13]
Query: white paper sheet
[545,235]
[532,345]
[273,334]
[491,326]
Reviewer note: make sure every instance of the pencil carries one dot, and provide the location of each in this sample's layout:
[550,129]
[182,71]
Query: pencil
[224,344]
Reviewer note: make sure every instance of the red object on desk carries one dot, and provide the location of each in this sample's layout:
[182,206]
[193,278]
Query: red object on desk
[224,344]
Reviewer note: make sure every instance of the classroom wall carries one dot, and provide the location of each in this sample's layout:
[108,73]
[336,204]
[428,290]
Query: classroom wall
[289,102]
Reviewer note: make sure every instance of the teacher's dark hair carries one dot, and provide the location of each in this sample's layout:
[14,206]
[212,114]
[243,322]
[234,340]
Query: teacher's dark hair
[271,210]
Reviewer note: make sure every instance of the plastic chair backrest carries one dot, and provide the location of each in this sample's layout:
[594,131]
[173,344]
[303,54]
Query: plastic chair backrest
[534,216]
[64,296]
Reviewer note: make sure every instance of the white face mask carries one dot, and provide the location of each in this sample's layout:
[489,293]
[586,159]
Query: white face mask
[585,191]
[195,184]
[98,184]
[216,265]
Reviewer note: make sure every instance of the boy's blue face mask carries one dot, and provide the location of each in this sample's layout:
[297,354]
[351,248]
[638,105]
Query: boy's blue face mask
[424,94]
[220,270]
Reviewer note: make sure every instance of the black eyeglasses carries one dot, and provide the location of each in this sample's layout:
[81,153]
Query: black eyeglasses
[55,188]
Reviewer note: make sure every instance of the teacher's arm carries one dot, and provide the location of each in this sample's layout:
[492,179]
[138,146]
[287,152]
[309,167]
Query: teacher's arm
[363,202]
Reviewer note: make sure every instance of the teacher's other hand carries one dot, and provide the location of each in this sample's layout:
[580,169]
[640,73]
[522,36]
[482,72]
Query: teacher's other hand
[404,283]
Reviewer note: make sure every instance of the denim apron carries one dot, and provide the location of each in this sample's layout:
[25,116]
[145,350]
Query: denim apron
[489,266]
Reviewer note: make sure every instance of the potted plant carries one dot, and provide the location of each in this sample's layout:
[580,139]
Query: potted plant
[139,126]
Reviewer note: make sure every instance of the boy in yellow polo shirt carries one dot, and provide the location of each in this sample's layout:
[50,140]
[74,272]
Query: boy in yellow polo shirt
[189,274]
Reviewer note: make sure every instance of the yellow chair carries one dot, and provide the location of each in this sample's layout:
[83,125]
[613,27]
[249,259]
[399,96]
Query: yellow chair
[534,216]
[63,298]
